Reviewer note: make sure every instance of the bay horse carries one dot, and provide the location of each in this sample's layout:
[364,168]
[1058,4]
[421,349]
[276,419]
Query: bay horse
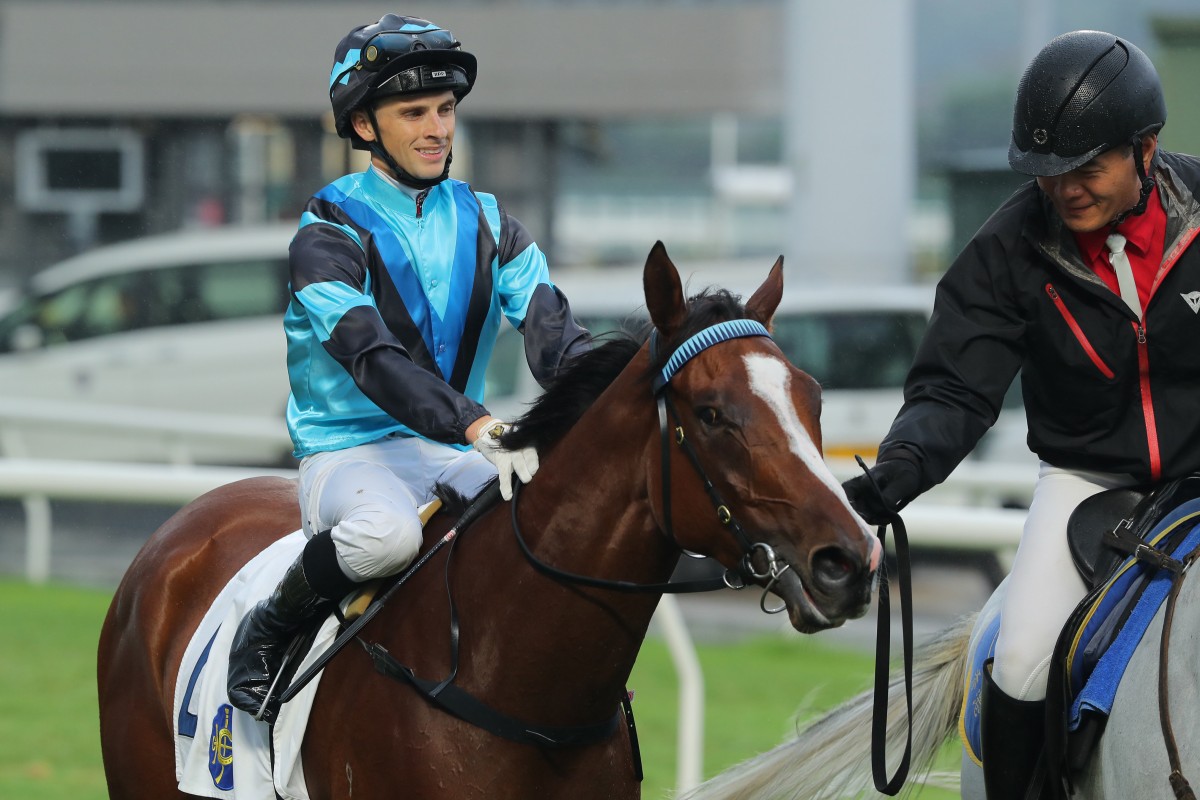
[740,479]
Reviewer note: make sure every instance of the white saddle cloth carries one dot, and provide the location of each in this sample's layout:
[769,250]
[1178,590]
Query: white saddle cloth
[220,751]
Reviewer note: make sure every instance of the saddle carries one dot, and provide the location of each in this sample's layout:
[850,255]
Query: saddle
[1118,545]
[1108,527]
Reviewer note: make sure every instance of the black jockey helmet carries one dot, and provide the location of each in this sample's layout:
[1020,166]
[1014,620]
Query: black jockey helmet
[396,55]
[1086,92]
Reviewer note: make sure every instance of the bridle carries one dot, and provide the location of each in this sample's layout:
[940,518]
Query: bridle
[746,571]
[715,334]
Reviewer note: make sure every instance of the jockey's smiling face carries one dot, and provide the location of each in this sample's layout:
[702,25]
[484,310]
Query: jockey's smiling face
[416,129]
[1091,196]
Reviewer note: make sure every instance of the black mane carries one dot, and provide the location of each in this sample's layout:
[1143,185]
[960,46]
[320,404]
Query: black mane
[581,381]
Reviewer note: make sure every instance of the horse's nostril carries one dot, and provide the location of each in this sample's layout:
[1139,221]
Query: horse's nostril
[833,566]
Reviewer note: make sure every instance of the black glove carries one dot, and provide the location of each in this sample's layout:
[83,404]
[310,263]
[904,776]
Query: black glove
[898,482]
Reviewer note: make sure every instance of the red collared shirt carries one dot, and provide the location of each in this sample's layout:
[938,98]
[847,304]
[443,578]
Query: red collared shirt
[1145,236]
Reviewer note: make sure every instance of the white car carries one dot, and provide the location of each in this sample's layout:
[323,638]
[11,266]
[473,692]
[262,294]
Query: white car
[188,322]
[857,341]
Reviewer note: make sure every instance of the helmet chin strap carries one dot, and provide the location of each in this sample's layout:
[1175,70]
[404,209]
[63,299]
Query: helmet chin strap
[1146,181]
[402,175]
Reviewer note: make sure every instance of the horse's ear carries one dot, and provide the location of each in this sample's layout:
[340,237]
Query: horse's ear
[664,291]
[762,304]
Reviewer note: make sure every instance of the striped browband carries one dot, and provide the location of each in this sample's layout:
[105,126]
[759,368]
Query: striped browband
[714,334]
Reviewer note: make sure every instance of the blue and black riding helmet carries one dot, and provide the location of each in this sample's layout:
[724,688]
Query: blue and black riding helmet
[394,56]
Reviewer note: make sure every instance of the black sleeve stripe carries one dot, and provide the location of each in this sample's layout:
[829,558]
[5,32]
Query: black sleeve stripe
[552,335]
[383,370]
[322,252]
[514,238]
[361,329]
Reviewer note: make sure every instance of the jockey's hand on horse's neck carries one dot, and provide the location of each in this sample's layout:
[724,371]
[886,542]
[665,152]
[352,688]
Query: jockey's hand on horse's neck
[522,462]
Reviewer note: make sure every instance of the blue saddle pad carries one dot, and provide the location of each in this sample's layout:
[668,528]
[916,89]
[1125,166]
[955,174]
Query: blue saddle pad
[983,649]
[1114,619]
[1119,616]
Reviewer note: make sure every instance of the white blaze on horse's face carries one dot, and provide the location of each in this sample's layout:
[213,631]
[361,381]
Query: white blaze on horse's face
[771,379]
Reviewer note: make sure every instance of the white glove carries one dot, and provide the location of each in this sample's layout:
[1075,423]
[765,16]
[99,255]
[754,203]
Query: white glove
[523,462]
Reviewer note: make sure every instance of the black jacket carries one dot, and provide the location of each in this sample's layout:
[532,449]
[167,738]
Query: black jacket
[1101,391]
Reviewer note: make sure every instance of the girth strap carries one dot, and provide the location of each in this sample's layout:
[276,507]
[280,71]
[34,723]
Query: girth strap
[450,698]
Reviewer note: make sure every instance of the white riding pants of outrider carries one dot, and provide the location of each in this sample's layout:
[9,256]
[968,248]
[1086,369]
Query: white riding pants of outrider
[367,498]
[1043,586]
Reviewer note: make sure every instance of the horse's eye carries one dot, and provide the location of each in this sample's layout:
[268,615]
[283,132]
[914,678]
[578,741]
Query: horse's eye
[709,415]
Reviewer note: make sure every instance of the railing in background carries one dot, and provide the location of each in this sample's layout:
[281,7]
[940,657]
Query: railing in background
[962,513]
[973,483]
[172,434]
[36,481]
[176,433]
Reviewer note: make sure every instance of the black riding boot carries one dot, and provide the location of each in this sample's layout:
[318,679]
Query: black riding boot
[1013,735]
[262,638]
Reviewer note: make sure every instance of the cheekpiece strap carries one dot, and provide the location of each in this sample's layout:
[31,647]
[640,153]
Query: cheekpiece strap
[714,334]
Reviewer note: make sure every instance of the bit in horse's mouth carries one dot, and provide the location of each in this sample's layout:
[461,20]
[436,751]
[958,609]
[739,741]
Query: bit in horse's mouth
[802,609]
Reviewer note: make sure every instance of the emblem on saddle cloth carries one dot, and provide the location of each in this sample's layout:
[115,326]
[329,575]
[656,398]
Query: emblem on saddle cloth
[220,745]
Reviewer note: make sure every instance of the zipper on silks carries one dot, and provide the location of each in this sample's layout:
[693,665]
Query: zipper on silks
[1143,352]
[1139,330]
[1080,336]
[420,200]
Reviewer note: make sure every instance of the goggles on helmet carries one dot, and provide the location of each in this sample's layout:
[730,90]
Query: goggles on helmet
[385,46]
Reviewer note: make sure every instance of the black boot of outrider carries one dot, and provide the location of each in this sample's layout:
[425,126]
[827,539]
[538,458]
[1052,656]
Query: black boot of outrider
[1013,735]
[257,653]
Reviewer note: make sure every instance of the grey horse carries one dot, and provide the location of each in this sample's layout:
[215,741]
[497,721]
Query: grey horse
[829,759]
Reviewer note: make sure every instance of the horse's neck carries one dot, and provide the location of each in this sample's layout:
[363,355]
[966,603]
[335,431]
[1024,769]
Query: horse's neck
[587,512]
[591,499]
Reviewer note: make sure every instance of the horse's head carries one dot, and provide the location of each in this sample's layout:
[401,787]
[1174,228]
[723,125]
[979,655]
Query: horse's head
[751,421]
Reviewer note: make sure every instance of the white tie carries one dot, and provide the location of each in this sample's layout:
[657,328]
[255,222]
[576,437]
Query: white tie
[1120,265]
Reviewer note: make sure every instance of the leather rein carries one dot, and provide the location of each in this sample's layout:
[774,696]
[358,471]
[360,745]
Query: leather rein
[883,628]
[1180,786]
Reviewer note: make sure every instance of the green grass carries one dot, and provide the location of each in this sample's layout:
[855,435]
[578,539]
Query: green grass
[50,730]
[754,691]
[48,719]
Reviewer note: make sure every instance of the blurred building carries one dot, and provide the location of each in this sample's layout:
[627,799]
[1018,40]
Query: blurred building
[125,117]
[602,124]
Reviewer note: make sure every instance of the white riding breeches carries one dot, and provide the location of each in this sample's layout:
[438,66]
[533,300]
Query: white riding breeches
[1043,586]
[367,498]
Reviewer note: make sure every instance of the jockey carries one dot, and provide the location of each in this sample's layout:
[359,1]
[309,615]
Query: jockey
[1087,282]
[400,277]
